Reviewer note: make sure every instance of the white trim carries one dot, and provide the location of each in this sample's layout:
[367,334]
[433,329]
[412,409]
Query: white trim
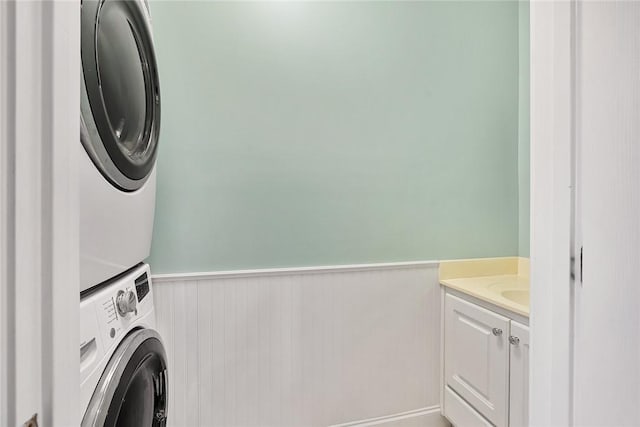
[39,119]
[7,382]
[552,112]
[429,416]
[61,279]
[443,294]
[171,277]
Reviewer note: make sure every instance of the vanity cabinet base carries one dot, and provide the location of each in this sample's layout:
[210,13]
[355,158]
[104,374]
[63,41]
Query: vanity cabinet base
[460,413]
[485,364]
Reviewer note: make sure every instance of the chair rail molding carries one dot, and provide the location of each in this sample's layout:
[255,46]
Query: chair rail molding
[172,277]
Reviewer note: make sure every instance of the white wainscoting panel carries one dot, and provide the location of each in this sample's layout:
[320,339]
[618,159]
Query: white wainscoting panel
[301,348]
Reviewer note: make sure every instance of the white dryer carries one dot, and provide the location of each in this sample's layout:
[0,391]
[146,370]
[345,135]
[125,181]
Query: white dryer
[120,124]
[123,365]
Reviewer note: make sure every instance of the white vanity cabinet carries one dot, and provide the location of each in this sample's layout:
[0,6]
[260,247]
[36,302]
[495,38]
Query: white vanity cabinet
[476,362]
[485,372]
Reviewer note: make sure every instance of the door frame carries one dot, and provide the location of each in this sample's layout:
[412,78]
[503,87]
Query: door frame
[39,210]
[553,148]
[39,125]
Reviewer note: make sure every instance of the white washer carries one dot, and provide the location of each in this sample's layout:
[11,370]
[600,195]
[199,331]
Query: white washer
[123,365]
[120,124]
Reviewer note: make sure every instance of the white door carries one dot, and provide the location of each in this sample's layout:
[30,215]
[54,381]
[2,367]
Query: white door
[476,357]
[519,375]
[39,300]
[607,323]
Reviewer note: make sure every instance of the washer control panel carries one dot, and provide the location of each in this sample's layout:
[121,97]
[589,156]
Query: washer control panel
[111,311]
[107,314]
[142,286]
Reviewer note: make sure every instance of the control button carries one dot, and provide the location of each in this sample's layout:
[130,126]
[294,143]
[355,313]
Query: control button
[110,310]
[112,332]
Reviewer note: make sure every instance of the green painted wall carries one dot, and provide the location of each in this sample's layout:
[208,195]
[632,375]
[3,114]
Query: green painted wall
[523,131]
[323,133]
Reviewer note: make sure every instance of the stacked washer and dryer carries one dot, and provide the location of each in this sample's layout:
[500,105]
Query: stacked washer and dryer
[123,366]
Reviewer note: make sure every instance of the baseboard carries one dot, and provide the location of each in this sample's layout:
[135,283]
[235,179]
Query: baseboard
[172,277]
[424,417]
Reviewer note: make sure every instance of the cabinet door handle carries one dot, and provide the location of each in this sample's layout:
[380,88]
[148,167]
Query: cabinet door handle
[497,331]
[514,340]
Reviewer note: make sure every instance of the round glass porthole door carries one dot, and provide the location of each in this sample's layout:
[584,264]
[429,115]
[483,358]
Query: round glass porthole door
[132,391]
[120,94]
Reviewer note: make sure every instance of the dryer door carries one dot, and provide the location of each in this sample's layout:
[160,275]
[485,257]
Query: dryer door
[132,391]
[120,94]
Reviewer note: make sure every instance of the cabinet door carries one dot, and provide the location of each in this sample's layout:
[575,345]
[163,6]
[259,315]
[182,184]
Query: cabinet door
[519,376]
[476,358]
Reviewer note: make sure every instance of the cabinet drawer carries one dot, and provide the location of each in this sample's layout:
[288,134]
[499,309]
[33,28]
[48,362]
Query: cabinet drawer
[476,357]
[459,413]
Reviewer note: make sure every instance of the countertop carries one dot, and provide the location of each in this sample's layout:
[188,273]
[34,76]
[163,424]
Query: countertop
[503,282]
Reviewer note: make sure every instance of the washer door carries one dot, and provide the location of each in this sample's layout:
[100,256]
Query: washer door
[133,388]
[120,94]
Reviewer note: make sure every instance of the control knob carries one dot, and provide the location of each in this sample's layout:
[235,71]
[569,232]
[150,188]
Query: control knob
[126,302]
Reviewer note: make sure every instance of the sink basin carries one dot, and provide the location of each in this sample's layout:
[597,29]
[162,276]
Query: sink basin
[519,296]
